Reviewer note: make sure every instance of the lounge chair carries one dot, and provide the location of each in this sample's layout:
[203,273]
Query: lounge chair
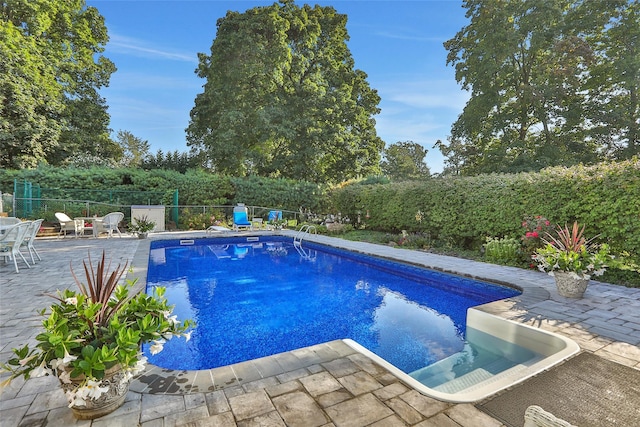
[241,218]
[108,224]
[68,224]
[216,229]
[11,241]
[30,237]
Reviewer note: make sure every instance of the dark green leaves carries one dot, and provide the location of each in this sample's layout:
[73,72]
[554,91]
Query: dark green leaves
[551,82]
[50,72]
[282,98]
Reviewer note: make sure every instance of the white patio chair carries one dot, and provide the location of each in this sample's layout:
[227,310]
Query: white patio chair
[68,224]
[11,241]
[108,224]
[30,237]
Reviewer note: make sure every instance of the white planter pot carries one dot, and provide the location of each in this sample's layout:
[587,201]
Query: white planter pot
[569,286]
[108,402]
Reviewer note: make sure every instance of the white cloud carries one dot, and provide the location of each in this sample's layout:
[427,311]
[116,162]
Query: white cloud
[140,80]
[145,113]
[420,110]
[424,93]
[135,47]
[412,37]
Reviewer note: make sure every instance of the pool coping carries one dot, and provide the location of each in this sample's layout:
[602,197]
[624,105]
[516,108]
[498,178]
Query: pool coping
[157,380]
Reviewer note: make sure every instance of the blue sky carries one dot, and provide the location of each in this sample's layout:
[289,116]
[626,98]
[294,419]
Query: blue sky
[154,45]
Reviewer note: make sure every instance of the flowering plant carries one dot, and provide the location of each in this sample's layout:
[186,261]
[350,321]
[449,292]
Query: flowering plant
[536,228]
[571,252]
[99,327]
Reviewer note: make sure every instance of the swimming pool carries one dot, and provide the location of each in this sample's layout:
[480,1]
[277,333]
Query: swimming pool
[256,298]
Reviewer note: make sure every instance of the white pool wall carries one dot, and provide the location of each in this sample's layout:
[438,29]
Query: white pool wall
[553,347]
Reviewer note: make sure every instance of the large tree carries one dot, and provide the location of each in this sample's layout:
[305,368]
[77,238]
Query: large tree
[526,63]
[134,150]
[614,84]
[50,73]
[282,97]
[404,161]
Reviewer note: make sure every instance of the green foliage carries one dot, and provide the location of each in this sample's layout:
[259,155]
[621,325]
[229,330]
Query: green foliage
[282,98]
[582,262]
[417,240]
[99,327]
[50,74]
[196,187]
[375,179]
[172,160]
[551,83]
[337,229]
[502,251]
[134,149]
[569,251]
[536,228]
[141,225]
[404,161]
[200,221]
[463,210]
[282,193]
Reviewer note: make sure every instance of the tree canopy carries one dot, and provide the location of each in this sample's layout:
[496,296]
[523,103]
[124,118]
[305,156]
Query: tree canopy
[50,73]
[282,98]
[552,82]
[404,161]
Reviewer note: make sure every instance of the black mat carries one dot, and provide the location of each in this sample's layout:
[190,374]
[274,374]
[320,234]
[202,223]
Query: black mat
[586,390]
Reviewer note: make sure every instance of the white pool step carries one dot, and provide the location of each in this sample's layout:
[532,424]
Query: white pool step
[442,377]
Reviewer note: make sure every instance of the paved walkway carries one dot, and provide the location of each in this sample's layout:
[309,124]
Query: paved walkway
[325,385]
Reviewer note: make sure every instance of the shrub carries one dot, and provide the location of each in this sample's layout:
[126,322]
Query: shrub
[502,251]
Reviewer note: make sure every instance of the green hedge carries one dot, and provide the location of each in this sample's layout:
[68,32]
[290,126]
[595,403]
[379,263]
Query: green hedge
[463,211]
[194,187]
[279,193]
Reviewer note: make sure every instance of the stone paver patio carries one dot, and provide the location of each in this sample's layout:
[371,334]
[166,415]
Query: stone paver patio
[329,384]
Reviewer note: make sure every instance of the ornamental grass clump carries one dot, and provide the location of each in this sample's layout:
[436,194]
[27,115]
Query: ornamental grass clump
[569,251]
[96,329]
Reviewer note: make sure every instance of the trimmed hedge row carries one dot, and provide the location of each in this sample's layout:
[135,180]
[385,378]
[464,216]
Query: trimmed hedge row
[463,211]
[194,187]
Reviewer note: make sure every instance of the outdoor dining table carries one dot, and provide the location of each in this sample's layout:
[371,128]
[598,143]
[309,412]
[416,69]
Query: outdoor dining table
[8,222]
[93,220]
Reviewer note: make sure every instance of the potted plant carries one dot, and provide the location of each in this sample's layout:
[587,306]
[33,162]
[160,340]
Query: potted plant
[572,259]
[141,226]
[92,339]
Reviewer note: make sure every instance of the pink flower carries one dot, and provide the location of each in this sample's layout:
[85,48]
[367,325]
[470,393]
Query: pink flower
[534,234]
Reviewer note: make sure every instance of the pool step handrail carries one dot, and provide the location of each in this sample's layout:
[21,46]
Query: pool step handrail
[305,230]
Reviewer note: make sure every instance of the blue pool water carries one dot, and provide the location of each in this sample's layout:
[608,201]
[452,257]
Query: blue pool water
[254,299]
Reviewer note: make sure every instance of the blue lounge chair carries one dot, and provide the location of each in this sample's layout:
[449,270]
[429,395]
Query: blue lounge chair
[275,216]
[241,218]
[272,218]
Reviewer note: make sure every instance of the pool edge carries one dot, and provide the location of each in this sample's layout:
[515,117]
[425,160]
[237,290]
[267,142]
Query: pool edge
[532,292]
[481,320]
